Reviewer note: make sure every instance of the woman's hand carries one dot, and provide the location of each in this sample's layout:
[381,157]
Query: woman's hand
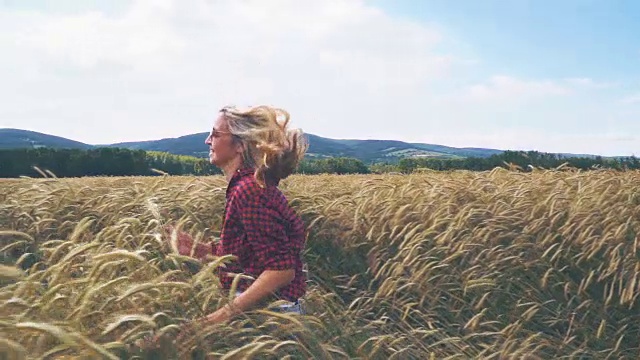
[186,331]
[221,315]
[185,244]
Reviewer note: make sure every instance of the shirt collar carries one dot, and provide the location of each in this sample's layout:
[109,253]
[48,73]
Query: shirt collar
[239,174]
[245,170]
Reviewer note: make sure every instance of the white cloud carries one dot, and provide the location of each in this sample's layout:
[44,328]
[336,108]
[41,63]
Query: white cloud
[504,89]
[141,39]
[509,88]
[164,61]
[343,68]
[586,82]
[631,99]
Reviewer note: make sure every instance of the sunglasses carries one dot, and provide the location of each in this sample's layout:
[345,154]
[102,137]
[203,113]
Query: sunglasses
[215,133]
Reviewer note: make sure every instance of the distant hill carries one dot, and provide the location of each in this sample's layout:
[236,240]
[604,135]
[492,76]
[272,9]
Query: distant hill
[389,149]
[16,138]
[319,147]
[192,145]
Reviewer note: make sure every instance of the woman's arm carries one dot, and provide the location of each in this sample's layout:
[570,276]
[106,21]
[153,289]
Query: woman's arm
[266,284]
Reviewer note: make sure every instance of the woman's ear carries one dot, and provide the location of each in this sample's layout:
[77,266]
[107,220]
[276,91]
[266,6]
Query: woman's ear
[239,146]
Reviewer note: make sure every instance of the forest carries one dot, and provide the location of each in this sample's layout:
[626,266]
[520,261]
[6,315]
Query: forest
[124,162]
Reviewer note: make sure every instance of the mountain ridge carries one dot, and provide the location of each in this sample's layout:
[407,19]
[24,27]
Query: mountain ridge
[366,150]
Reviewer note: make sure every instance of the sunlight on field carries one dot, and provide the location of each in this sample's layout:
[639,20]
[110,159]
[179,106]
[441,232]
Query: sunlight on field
[436,265]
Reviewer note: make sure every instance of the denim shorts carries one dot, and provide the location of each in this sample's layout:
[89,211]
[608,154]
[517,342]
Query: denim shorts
[291,307]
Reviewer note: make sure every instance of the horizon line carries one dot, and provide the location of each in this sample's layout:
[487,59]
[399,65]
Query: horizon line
[329,138]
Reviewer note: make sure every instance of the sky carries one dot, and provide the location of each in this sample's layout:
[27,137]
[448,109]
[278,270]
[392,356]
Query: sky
[551,76]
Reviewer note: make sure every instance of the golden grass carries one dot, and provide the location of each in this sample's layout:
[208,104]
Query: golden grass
[458,264]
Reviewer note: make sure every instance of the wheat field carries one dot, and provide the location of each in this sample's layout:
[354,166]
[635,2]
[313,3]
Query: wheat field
[437,265]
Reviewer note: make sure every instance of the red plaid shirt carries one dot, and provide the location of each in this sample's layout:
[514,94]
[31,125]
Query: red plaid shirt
[263,231]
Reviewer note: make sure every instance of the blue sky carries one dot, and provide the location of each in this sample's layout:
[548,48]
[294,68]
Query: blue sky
[540,38]
[531,75]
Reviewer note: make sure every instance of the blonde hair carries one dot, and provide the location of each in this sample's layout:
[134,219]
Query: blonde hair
[269,146]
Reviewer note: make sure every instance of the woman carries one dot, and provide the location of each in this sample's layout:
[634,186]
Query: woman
[255,150]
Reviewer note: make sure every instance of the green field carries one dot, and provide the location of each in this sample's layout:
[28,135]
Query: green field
[492,265]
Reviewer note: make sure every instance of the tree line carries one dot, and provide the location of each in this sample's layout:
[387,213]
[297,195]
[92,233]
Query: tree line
[102,161]
[107,161]
[521,161]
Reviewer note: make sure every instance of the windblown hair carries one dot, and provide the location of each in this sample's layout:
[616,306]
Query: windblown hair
[269,146]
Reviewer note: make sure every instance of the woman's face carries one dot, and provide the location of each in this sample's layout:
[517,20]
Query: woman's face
[222,148]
